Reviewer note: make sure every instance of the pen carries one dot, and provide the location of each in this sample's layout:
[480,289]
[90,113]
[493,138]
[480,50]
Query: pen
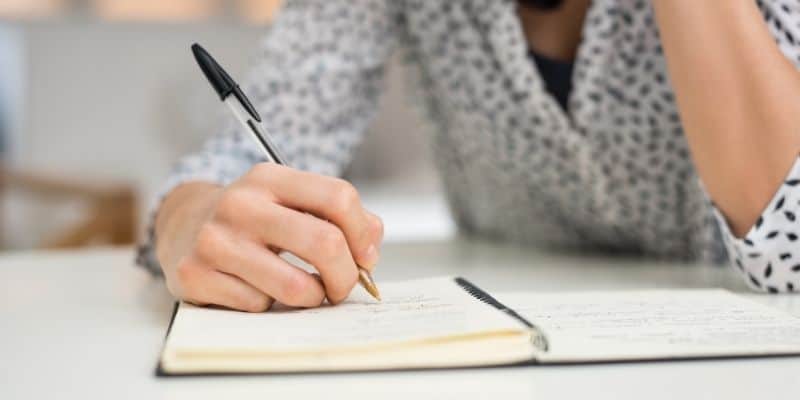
[230,94]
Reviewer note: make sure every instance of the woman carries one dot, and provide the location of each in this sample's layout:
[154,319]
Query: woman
[608,125]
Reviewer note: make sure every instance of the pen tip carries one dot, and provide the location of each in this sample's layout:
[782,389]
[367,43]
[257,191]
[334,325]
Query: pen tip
[368,283]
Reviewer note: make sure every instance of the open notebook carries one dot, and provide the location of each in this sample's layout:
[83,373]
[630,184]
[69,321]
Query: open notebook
[449,322]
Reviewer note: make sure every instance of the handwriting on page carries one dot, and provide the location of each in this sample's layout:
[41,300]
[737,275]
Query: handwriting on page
[409,310]
[656,322]
[363,321]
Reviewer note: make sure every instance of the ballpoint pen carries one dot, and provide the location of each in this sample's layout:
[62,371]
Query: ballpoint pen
[230,94]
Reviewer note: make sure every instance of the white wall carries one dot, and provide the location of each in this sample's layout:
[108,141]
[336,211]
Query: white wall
[119,101]
[124,101]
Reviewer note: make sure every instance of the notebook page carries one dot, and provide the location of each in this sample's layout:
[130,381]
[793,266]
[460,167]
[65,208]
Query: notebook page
[653,324]
[410,310]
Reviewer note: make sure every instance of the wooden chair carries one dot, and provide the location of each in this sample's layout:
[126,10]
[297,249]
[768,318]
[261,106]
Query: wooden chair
[112,213]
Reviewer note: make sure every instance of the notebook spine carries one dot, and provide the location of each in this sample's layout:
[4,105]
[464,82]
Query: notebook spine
[539,339]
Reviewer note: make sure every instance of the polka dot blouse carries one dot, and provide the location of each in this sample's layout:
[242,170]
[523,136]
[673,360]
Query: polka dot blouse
[610,172]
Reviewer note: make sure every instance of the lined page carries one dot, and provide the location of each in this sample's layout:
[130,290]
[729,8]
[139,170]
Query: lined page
[654,324]
[410,310]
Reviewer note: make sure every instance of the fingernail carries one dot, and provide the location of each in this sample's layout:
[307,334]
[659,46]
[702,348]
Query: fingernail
[371,256]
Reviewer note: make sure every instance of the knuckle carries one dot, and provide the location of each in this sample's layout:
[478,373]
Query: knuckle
[185,272]
[263,170]
[376,225]
[329,242]
[232,202]
[187,275]
[294,290]
[281,222]
[264,174]
[208,241]
[345,197]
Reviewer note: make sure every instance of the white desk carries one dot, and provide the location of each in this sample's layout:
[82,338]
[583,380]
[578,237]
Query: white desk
[89,325]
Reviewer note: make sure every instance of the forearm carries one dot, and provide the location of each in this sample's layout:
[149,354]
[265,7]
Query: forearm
[739,100]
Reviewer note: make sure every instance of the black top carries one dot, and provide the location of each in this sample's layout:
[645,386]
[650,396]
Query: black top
[557,76]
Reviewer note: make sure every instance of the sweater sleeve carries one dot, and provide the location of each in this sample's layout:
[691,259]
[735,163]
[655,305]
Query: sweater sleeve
[316,83]
[768,256]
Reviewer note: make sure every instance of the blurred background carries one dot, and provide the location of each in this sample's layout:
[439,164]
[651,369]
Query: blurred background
[98,98]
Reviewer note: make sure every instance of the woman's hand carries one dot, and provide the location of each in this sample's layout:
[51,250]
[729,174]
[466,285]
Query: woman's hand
[219,245]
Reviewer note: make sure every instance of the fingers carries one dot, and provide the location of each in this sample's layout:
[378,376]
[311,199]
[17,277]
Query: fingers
[266,210]
[203,286]
[376,230]
[328,198]
[259,267]
[318,242]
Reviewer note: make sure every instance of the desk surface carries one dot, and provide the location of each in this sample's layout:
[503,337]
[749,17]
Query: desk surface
[89,325]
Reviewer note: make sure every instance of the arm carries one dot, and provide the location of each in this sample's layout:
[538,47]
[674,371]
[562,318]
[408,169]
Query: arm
[739,100]
[739,96]
[223,214]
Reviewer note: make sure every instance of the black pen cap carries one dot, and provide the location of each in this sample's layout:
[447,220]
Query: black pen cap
[222,83]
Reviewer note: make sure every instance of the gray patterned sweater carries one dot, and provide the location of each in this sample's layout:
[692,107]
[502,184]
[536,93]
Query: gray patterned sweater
[612,172]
